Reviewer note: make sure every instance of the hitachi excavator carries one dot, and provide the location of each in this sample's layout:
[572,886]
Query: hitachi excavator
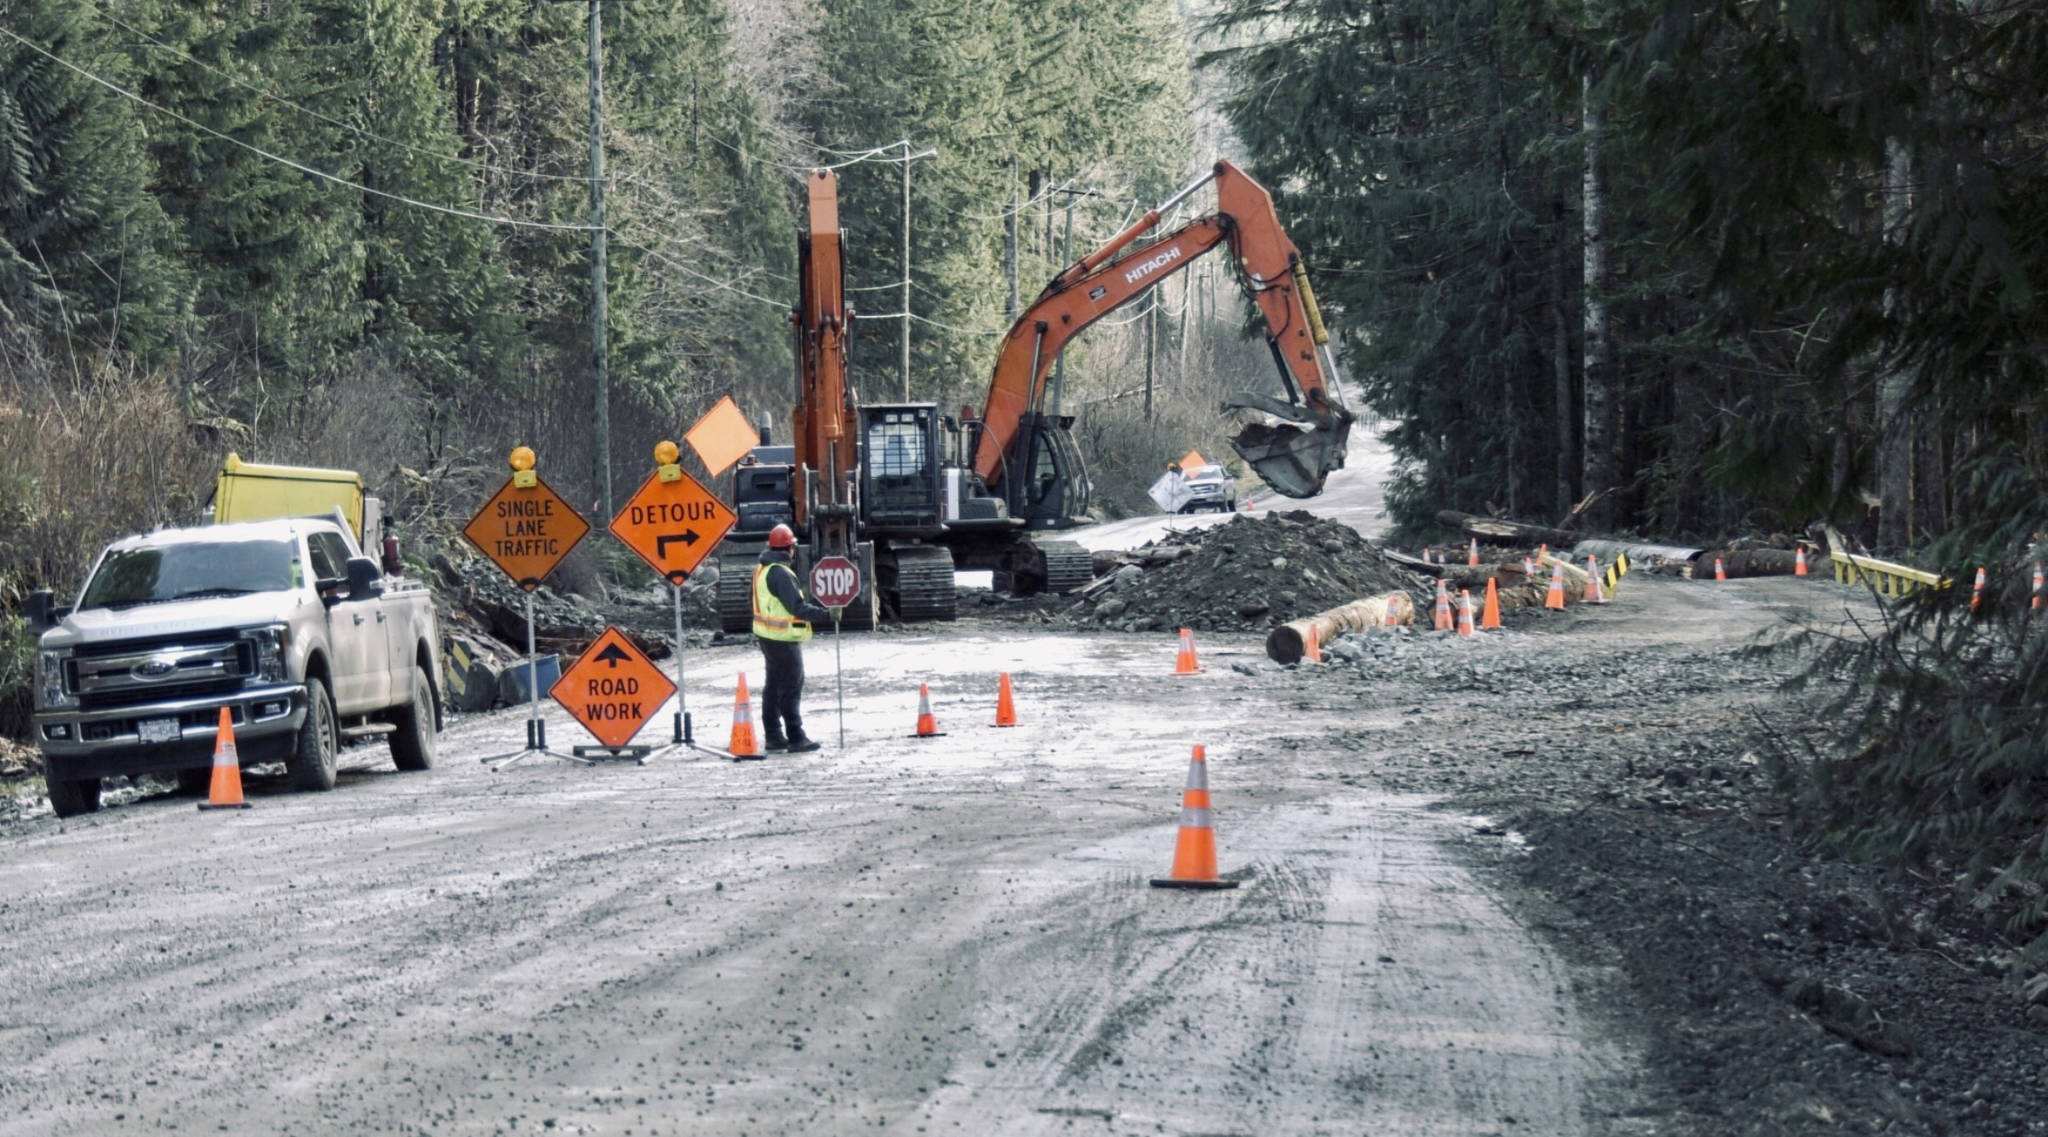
[910,494]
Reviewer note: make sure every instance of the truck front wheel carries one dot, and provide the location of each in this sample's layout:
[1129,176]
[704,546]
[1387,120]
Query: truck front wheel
[412,742]
[311,765]
[71,797]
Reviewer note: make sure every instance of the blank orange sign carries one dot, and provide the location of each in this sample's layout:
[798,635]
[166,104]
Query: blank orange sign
[723,436]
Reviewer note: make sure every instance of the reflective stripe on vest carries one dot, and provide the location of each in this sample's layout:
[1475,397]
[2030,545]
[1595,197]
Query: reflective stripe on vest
[772,621]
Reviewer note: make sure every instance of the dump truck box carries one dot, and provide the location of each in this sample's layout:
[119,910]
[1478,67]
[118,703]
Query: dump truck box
[248,491]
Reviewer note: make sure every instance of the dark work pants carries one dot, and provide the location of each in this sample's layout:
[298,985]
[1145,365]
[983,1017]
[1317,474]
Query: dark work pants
[784,690]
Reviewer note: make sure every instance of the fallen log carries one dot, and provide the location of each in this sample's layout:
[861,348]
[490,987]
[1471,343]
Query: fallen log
[1636,550]
[1288,642]
[1498,532]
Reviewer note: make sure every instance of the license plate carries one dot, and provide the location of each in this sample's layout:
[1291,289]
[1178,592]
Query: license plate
[159,730]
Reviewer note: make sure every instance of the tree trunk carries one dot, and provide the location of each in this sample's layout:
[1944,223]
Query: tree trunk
[1289,642]
[1598,463]
[1894,410]
[1567,458]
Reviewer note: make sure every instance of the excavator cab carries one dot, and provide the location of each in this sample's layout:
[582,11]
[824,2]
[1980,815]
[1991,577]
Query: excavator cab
[1054,492]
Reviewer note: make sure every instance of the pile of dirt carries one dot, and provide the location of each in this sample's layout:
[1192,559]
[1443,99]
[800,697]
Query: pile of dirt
[1249,574]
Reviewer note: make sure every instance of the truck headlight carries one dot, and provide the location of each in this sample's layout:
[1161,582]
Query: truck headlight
[50,692]
[273,644]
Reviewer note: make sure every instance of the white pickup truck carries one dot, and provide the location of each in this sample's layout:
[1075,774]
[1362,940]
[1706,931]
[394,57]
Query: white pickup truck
[306,641]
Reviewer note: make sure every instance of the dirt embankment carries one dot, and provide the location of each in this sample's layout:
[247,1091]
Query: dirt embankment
[1248,575]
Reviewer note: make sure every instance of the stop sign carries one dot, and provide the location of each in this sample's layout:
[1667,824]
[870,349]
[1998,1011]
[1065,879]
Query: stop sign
[835,581]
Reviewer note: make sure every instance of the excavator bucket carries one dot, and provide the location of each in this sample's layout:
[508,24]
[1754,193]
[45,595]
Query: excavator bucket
[1292,459]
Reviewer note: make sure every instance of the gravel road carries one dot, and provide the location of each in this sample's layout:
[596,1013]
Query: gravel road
[1527,883]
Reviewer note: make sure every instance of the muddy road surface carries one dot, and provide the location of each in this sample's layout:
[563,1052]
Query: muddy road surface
[1525,883]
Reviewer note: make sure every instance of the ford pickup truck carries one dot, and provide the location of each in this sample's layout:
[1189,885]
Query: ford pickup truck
[307,643]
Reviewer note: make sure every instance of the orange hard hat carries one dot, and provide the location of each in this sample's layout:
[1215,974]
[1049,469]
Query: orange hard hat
[781,537]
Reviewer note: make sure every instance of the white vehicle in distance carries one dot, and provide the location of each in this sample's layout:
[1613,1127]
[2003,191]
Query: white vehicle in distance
[1209,487]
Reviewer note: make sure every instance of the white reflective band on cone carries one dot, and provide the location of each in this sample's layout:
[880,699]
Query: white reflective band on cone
[1198,775]
[1192,818]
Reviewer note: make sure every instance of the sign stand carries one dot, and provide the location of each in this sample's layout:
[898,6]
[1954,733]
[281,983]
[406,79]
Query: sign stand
[681,739]
[839,673]
[526,529]
[674,523]
[836,582]
[536,727]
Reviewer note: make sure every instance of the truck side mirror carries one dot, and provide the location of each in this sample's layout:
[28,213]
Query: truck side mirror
[365,578]
[40,609]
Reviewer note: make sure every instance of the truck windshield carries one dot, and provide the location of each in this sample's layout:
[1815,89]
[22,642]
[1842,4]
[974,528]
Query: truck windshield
[189,571]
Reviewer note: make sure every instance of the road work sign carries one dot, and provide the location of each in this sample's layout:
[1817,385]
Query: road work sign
[612,689]
[673,525]
[526,530]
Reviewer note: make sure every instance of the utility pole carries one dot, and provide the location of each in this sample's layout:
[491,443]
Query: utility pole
[1059,366]
[599,318]
[908,158]
[1151,323]
[1010,243]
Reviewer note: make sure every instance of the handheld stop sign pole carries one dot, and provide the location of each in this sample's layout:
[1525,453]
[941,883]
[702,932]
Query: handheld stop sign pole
[835,581]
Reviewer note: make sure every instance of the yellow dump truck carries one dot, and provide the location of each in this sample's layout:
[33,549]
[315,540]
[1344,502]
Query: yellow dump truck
[249,491]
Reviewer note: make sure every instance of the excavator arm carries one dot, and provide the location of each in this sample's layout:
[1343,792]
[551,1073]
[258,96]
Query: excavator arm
[827,453]
[1294,458]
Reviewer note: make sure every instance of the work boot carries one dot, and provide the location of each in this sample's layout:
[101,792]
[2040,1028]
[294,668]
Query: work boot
[776,743]
[799,744]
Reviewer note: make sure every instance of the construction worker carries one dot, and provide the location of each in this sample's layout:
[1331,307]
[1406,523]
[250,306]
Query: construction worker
[782,622]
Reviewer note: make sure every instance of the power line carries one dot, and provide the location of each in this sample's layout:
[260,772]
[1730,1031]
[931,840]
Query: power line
[311,113]
[284,161]
[664,258]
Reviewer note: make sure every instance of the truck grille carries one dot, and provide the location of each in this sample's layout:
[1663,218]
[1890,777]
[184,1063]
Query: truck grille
[125,674]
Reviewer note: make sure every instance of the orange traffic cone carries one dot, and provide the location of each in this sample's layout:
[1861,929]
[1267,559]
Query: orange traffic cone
[1799,561]
[1394,604]
[1977,592]
[1529,567]
[1465,612]
[1489,618]
[927,726]
[1720,572]
[1185,663]
[1312,648]
[1472,554]
[1442,620]
[1594,594]
[226,791]
[744,743]
[1006,704]
[1555,599]
[2039,581]
[1426,557]
[1194,853]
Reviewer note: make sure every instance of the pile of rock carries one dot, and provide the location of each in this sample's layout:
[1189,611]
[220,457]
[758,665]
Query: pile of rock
[1249,574]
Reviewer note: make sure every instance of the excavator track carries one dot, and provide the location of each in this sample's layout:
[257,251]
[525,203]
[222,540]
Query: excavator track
[1068,566]
[922,585]
[736,593]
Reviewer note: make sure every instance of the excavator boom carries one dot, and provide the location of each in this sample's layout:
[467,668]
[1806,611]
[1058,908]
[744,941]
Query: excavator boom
[1294,457]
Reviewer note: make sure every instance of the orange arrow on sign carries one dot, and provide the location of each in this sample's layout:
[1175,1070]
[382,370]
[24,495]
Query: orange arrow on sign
[673,525]
[526,531]
[612,689]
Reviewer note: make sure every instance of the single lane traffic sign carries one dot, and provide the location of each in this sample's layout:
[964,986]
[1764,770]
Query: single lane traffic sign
[526,530]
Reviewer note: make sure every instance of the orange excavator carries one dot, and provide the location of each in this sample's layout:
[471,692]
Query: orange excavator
[1293,458]
[911,494]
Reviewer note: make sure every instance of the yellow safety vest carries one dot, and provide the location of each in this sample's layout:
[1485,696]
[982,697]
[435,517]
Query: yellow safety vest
[771,620]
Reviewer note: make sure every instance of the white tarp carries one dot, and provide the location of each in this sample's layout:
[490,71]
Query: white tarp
[1170,492]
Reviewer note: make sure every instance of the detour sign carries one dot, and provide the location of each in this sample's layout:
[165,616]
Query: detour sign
[612,689]
[526,531]
[673,525]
